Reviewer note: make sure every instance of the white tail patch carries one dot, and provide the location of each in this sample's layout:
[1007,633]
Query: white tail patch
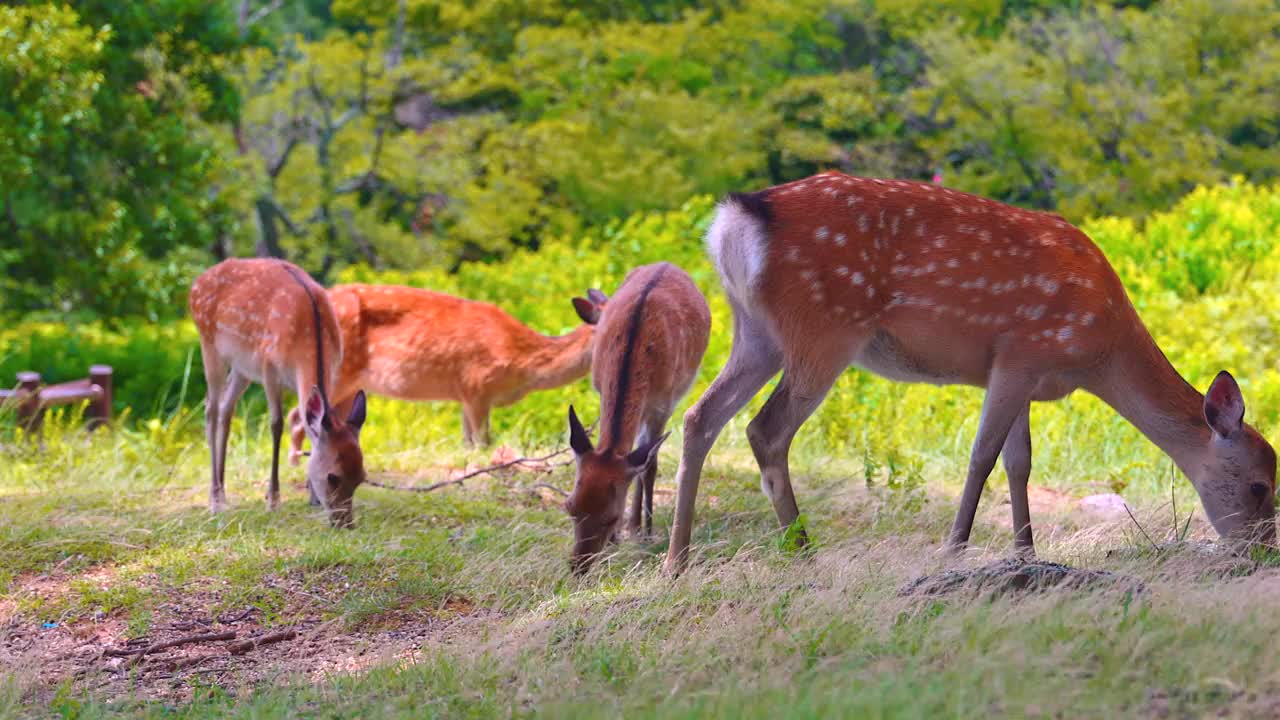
[737,243]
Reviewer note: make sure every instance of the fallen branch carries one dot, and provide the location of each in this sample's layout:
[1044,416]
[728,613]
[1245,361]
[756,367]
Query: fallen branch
[237,617]
[244,646]
[479,471]
[157,647]
[191,661]
[549,486]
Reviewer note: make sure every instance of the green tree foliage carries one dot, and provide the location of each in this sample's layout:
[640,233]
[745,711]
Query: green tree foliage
[401,134]
[1109,110]
[109,189]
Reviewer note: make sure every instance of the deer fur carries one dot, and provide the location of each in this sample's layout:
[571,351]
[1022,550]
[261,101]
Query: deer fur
[649,344]
[919,283]
[267,321]
[413,344]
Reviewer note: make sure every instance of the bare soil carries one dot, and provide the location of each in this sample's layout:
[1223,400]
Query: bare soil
[46,656]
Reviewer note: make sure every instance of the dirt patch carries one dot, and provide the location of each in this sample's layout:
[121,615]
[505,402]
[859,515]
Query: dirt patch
[95,654]
[1013,574]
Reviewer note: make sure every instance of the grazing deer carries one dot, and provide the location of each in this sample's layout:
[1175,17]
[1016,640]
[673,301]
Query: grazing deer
[918,283]
[414,344]
[649,344]
[266,321]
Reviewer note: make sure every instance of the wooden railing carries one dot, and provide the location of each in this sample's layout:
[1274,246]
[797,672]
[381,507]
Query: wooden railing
[30,398]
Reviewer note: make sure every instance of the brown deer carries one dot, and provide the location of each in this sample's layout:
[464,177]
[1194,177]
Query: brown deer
[267,321]
[649,344]
[918,283]
[414,344]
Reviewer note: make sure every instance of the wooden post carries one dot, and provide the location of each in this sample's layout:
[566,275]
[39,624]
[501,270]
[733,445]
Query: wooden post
[99,411]
[29,409]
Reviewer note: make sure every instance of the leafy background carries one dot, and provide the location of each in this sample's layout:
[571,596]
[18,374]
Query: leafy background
[140,143]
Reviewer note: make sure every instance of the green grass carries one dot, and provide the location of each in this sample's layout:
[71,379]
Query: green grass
[753,630]
[108,539]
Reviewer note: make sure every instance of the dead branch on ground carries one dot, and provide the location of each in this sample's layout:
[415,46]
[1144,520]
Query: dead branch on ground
[479,471]
[158,646]
[244,646]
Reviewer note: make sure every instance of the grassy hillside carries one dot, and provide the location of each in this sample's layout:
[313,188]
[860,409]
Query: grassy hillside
[459,602]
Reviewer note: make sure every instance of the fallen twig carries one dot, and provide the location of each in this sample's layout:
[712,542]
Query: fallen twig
[237,617]
[549,486]
[156,647]
[244,646]
[479,471]
[191,661]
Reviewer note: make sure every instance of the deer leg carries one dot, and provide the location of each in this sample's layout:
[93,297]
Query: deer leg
[215,378]
[1016,455]
[637,505]
[276,410]
[771,432]
[297,435]
[235,387]
[475,423]
[642,497]
[753,359]
[650,478]
[1007,397]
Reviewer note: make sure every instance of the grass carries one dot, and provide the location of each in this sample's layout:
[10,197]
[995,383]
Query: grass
[110,536]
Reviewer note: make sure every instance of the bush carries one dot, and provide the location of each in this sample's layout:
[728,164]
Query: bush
[1200,274]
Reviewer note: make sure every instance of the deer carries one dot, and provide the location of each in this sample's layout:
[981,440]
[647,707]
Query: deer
[413,344]
[266,321]
[649,344]
[919,283]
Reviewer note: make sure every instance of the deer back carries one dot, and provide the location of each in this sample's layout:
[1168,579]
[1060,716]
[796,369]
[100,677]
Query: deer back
[649,343]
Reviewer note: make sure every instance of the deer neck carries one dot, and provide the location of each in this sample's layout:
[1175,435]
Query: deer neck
[557,361]
[1142,385]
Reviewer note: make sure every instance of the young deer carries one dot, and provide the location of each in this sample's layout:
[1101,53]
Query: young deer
[649,344]
[266,321]
[414,344]
[922,284]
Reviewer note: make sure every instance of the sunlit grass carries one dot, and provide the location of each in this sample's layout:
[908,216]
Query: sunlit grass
[753,630]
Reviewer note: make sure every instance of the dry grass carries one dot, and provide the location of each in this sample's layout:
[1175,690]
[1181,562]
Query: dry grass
[459,602]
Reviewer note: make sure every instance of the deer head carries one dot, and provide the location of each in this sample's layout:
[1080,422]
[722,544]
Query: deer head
[1236,475]
[599,494]
[336,466]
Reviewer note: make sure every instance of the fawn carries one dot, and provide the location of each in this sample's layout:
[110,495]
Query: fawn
[918,283]
[415,344]
[267,321]
[649,343]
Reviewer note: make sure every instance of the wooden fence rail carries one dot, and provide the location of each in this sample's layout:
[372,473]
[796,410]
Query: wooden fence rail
[30,398]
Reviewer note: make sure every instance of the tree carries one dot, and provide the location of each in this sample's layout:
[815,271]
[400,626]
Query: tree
[114,190]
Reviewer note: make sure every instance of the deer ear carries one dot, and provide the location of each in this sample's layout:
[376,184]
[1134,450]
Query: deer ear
[586,310]
[316,413]
[1224,406]
[645,455]
[355,418]
[597,297]
[578,438]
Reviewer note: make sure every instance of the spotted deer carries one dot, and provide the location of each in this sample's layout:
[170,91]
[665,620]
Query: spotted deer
[919,283]
[414,344]
[267,321]
[649,344]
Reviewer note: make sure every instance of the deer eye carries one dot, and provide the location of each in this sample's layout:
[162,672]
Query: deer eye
[1259,490]
[334,480]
